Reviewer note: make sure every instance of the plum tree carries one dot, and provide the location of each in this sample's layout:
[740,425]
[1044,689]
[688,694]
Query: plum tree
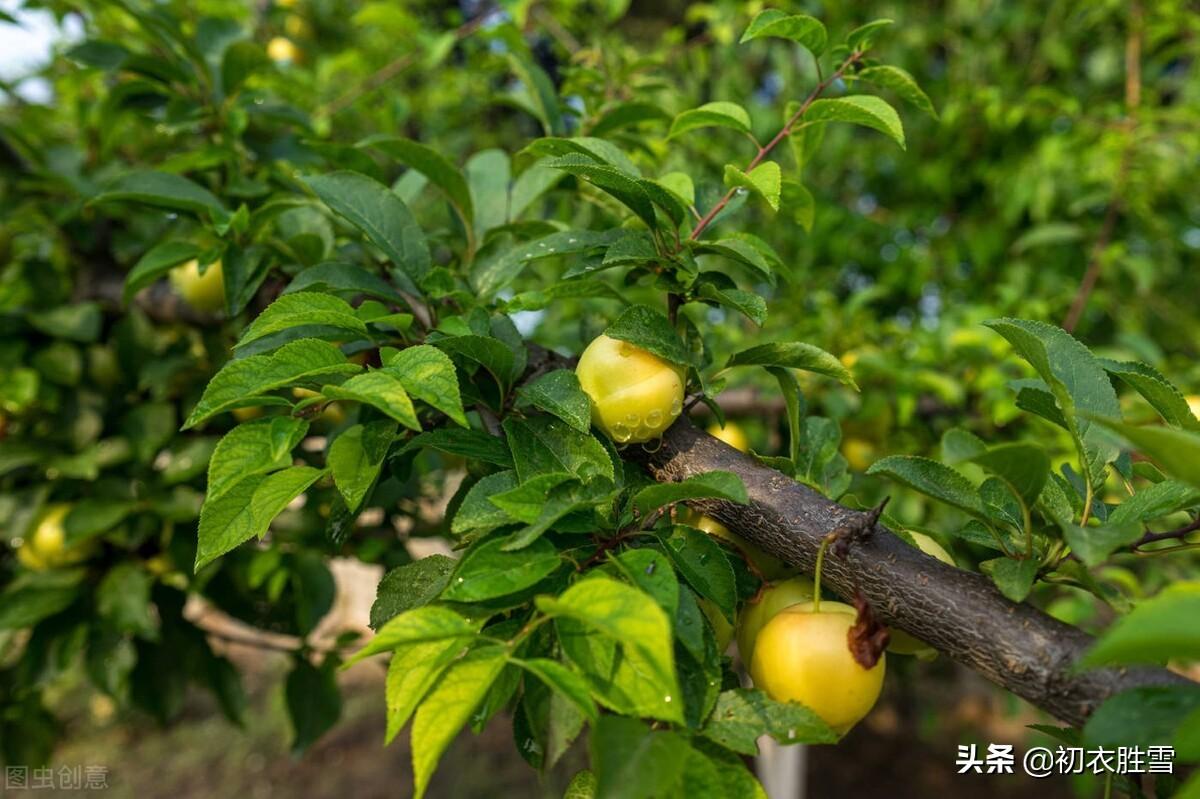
[803,655]
[635,394]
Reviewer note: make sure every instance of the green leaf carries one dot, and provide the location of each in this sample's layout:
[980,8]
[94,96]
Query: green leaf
[794,355]
[94,516]
[356,456]
[428,374]
[426,623]
[562,500]
[413,670]
[702,562]
[488,174]
[1176,451]
[313,701]
[718,114]
[448,707]
[339,276]
[1023,467]
[478,512]
[649,329]
[123,600]
[709,485]
[305,309]
[542,444]
[80,321]
[932,479]
[628,190]
[467,443]
[764,180]
[380,215]
[863,37]
[1144,716]
[1157,390]
[1094,544]
[633,762]
[738,250]
[245,510]
[302,361]
[1155,631]
[381,389]
[746,302]
[800,200]
[627,616]
[492,274]
[1013,577]
[582,786]
[412,585]
[858,109]
[559,393]
[490,353]
[649,570]
[1076,379]
[902,83]
[524,503]
[800,28]
[794,403]
[1155,502]
[25,603]
[157,262]
[537,84]
[256,447]
[488,572]
[164,190]
[440,171]
[562,680]
[742,715]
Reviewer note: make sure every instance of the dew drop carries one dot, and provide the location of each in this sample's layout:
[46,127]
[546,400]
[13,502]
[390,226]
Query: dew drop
[460,579]
[676,407]
[654,418]
[632,419]
[621,432]
[650,568]
[666,699]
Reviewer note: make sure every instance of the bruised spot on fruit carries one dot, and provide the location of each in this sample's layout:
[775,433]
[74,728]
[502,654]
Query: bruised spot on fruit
[635,394]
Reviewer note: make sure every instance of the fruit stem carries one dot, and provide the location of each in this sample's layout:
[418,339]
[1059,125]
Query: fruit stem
[825,542]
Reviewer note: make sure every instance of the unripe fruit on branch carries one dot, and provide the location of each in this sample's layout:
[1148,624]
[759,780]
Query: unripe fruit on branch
[46,547]
[204,292]
[771,567]
[901,642]
[282,51]
[722,629]
[635,394]
[731,434]
[775,598]
[804,656]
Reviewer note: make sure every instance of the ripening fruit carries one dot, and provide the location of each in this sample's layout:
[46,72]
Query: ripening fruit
[281,50]
[901,642]
[1193,402]
[635,394]
[731,434]
[247,413]
[332,415]
[771,567]
[204,292]
[859,453]
[297,27]
[46,546]
[775,598]
[804,656]
[722,629]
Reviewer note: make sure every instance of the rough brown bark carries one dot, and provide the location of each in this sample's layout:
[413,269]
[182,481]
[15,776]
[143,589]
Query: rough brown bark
[958,612]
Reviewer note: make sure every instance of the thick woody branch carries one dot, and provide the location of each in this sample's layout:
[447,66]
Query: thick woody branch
[958,612]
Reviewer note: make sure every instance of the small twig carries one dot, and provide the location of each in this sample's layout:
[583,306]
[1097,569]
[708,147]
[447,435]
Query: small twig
[765,149]
[1169,535]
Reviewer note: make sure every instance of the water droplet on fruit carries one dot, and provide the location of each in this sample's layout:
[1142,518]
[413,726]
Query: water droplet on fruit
[676,407]
[632,419]
[654,418]
[621,432]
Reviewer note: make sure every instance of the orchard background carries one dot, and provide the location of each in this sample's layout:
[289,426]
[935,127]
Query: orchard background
[291,295]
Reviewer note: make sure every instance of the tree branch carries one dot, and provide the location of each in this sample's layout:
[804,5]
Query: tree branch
[958,612]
